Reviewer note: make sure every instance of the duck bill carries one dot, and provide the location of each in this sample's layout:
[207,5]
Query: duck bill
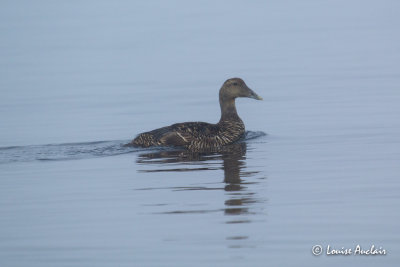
[254,95]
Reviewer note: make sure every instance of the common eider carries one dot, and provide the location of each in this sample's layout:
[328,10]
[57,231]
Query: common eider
[202,136]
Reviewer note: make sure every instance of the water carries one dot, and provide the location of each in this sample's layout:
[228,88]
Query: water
[80,79]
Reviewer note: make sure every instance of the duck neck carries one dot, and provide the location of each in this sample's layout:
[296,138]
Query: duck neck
[228,109]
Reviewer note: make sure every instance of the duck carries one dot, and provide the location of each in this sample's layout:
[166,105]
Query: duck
[202,136]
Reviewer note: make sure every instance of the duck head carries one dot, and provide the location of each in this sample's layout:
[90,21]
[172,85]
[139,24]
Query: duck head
[236,87]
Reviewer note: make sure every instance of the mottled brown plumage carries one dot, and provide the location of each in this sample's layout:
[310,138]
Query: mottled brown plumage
[199,136]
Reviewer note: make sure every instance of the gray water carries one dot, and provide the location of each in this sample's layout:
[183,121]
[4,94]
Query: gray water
[319,165]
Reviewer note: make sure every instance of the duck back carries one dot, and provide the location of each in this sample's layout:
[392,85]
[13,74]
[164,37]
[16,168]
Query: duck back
[193,135]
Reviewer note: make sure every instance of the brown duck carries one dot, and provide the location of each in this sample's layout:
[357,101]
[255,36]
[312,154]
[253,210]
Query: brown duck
[202,136]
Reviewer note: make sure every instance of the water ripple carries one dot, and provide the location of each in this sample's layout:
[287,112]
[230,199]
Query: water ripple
[84,150]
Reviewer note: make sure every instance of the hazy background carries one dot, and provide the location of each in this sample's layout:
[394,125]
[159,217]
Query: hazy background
[87,71]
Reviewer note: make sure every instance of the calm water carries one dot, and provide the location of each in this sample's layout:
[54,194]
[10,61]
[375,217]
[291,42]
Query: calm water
[320,164]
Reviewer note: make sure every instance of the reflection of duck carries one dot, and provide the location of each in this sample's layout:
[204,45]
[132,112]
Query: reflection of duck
[233,158]
[240,204]
[200,136]
[230,154]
